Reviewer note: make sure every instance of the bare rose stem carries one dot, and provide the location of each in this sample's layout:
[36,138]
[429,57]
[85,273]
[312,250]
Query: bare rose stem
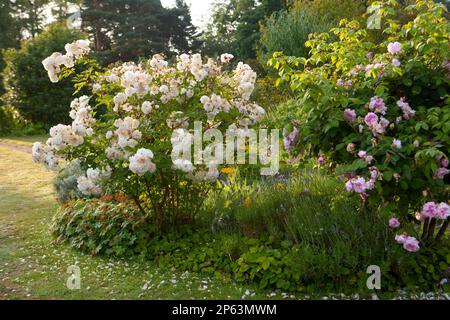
[138,204]
[425,229]
[443,229]
[431,229]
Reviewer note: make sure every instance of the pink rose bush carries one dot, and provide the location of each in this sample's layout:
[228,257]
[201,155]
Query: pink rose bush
[388,132]
[433,217]
[131,133]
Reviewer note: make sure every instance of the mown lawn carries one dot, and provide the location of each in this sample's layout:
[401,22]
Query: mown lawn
[32,267]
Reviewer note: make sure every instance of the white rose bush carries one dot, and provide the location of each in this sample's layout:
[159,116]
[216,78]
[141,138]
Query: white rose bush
[137,116]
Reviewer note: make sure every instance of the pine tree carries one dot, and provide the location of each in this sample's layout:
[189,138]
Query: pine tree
[235,24]
[128,29]
[182,34]
[31,16]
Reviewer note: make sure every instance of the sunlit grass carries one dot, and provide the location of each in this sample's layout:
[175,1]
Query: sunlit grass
[25,140]
[32,267]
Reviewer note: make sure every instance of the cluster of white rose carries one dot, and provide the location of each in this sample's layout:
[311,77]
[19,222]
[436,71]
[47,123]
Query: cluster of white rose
[126,133]
[194,64]
[63,136]
[140,94]
[74,50]
[252,113]
[44,154]
[136,82]
[246,79]
[141,162]
[90,184]
[81,114]
[214,104]
[182,140]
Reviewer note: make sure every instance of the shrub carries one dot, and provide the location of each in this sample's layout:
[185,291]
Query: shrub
[379,109]
[111,226]
[65,183]
[8,120]
[141,143]
[12,123]
[347,9]
[27,84]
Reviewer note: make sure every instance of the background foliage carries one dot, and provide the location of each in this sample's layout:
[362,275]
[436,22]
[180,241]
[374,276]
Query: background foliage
[27,85]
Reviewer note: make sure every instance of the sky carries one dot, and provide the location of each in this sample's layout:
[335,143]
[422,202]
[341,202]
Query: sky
[200,10]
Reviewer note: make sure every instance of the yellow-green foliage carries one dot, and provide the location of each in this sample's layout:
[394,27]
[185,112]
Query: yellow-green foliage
[333,8]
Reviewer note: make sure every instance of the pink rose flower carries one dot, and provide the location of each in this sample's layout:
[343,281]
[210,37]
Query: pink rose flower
[290,139]
[441,173]
[443,161]
[384,122]
[394,47]
[429,210]
[394,223]
[411,244]
[396,62]
[401,238]
[376,104]
[443,211]
[371,119]
[358,185]
[408,112]
[374,173]
[349,115]
[348,84]
[351,147]
[396,144]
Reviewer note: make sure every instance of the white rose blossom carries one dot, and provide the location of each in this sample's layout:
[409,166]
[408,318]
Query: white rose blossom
[141,162]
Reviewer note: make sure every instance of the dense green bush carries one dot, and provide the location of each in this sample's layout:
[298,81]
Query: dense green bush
[108,226]
[293,207]
[27,85]
[8,120]
[12,123]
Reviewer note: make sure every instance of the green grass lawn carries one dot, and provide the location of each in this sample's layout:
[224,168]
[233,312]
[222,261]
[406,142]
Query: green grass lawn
[32,267]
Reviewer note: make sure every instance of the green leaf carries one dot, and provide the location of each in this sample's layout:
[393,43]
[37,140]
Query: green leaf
[387,175]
